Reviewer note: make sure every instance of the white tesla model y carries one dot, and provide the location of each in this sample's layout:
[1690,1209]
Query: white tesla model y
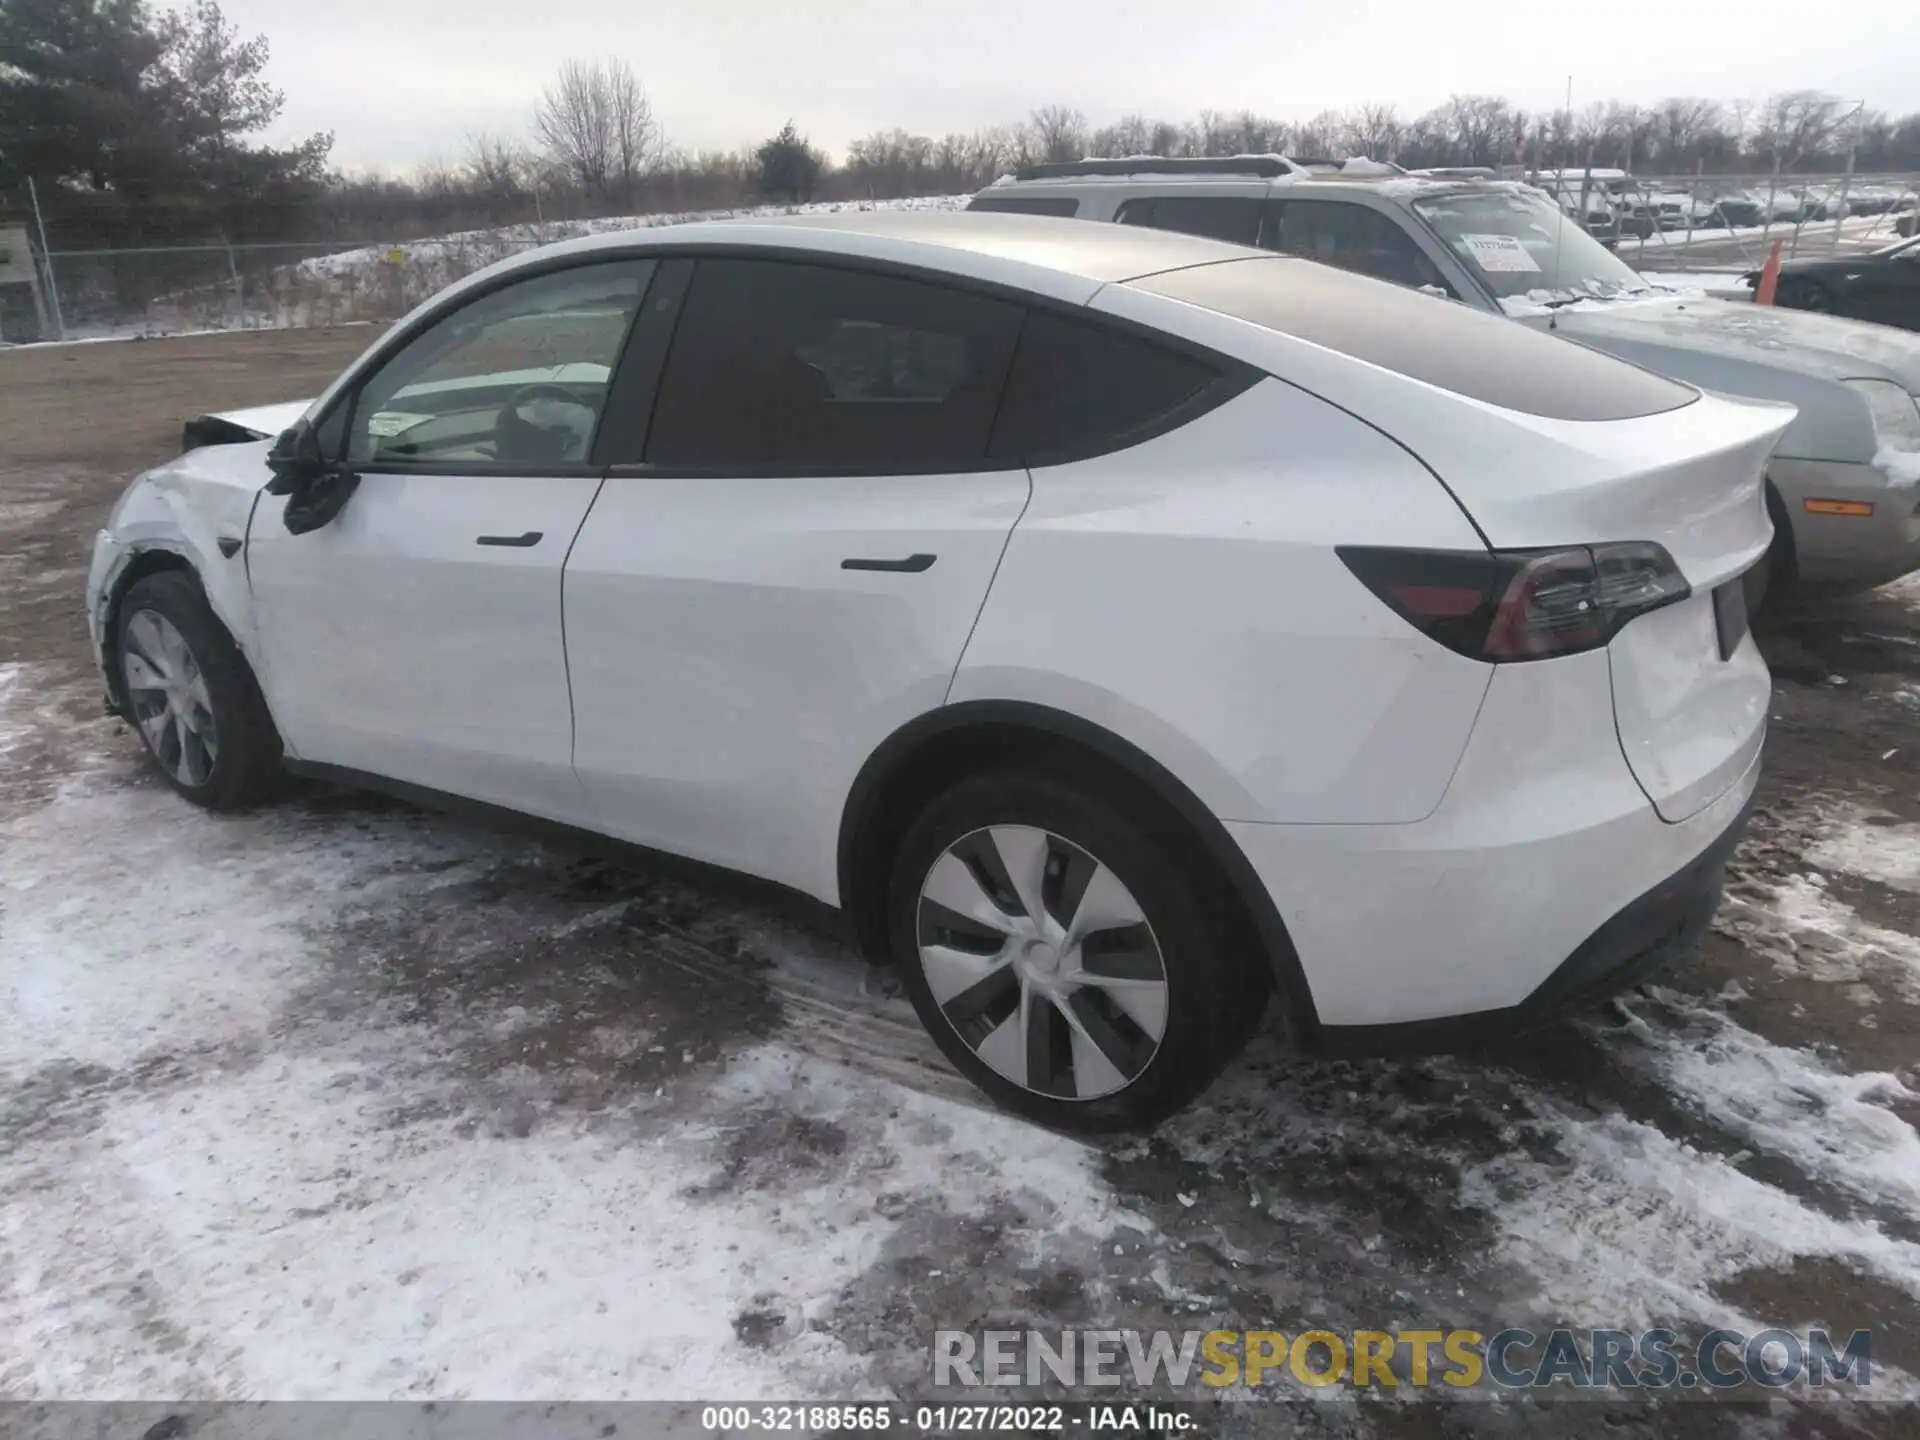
[1121,628]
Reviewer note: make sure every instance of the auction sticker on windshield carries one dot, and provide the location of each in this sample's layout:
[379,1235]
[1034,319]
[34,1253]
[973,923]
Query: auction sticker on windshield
[1499,252]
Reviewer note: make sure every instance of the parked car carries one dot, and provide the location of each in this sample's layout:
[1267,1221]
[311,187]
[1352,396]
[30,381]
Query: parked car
[1679,209]
[1599,219]
[1117,626]
[1844,484]
[1626,203]
[1779,204]
[1882,285]
[1731,205]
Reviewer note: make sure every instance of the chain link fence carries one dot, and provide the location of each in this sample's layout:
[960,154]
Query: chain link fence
[1718,221]
[181,289]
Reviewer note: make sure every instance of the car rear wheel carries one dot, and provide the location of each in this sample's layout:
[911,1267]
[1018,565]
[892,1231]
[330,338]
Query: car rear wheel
[1070,960]
[1770,577]
[191,696]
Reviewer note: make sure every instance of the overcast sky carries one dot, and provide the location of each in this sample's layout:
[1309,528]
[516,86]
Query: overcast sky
[401,82]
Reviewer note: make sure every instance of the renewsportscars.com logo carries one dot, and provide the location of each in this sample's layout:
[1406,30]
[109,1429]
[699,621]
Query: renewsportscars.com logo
[1462,1360]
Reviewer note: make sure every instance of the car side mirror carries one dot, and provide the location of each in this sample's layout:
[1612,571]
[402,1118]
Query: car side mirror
[316,490]
[295,459]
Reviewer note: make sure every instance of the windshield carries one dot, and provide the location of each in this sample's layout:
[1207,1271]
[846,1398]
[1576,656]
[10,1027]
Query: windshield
[1522,247]
[1900,247]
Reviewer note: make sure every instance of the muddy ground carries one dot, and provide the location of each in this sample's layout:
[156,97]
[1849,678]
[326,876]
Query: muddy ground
[345,1100]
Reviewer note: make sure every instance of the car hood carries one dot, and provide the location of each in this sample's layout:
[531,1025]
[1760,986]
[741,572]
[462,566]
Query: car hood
[263,421]
[1747,335]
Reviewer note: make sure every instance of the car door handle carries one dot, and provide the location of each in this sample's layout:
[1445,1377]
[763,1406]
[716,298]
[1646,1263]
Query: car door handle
[912,565]
[518,542]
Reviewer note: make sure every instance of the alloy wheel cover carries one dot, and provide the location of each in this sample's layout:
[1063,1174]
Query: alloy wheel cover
[1042,962]
[167,695]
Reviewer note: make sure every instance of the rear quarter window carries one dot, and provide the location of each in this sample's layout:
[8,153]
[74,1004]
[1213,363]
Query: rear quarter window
[1484,357]
[1080,388]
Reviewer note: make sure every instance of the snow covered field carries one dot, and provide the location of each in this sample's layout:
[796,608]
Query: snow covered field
[511,239]
[342,1100]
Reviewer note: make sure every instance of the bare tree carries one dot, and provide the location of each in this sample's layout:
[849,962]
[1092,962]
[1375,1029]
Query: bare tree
[1593,132]
[1318,138]
[1793,125]
[1480,126]
[1165,138]
[1371,130]
[1129,135]
[1683,125]
[1633,130]
[495,167]
[891,162]
[1213,135]
[637,141]
[1060,131]
[989,154]
[597,124]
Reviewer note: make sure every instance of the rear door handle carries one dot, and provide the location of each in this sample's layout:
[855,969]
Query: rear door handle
[518,542]
[912,565]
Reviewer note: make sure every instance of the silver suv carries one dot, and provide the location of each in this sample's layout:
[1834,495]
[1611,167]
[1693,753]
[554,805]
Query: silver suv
[1844,482]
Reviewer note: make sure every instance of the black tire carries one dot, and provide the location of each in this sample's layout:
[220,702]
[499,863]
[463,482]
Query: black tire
[1216,991]
[1805,295]
[1770,581]
[246,761]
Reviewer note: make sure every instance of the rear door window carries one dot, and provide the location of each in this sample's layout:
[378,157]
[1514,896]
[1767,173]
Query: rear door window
[1064,206]
[1235,218]
[1352,237]
[1079,389]
[778,367]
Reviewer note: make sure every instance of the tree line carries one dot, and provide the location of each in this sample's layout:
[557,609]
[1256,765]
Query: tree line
[139,129]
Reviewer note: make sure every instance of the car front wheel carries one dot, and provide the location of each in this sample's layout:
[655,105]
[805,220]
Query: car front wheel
[189,693]
[1071,960]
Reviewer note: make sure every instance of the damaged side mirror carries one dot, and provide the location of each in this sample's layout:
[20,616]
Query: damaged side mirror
[316,489]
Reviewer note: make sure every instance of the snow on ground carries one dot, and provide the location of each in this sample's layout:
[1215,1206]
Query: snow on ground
[341,1100]
[1872,846]
[222,1185]
[1793,1104]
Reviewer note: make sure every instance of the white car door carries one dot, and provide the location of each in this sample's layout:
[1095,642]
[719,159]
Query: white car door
[417,635]
[793,572]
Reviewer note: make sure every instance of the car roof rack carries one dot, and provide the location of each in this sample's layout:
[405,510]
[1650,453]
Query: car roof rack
[1265,166]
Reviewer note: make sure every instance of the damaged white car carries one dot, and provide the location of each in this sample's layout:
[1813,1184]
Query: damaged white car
[1119,627]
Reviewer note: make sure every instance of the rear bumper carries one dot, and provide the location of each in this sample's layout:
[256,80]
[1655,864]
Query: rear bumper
[1849,551]
[1640,939]
[1519,893]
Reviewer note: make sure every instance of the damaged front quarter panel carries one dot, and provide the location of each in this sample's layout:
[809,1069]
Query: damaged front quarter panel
[183,510]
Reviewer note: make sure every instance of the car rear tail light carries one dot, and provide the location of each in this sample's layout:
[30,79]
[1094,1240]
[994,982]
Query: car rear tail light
[1506,605]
